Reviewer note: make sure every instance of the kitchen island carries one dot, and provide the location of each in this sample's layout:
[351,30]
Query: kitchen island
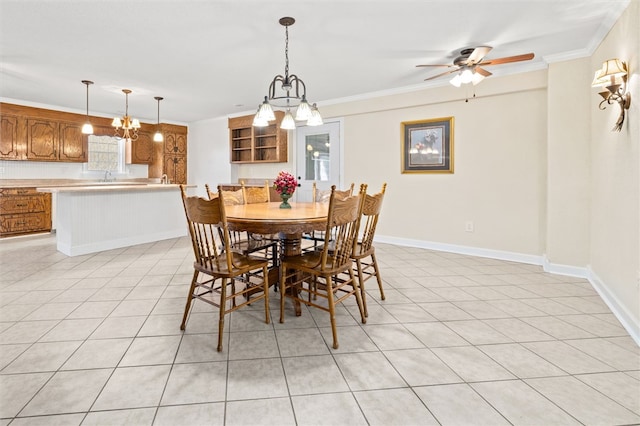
[98,217]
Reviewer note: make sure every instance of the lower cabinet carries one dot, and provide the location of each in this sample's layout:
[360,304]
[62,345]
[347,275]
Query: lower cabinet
[24,211]
[175,167]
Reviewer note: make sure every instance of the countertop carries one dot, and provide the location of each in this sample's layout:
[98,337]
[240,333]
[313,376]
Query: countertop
[42,183]
[111,187]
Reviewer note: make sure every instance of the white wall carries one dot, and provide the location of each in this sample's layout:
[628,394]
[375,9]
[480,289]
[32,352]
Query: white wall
[615,179]
[568,164]
[208,154]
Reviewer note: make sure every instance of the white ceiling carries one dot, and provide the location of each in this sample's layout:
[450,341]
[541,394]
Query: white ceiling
[211,58]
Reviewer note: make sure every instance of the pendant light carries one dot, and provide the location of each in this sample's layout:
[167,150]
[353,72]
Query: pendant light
[293,95]
[87,128]
[158,137]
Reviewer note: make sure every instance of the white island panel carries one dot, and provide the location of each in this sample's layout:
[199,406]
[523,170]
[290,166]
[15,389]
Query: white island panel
[97,219]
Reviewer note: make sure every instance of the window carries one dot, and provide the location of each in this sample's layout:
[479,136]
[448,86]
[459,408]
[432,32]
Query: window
[106,153]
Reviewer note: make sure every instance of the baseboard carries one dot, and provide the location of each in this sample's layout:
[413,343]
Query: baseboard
[628,321]
[556,268]
[471,251]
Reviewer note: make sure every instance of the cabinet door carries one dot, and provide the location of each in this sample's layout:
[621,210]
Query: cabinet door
[9,138]
[42,140]
[175,143]
[73,145]
[142,149]
[175,167]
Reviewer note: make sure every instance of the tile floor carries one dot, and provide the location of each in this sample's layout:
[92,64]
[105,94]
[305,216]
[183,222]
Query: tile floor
[95,340]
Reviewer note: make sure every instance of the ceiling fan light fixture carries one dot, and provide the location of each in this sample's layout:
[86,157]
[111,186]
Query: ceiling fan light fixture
[456,81]
[477,78]
[466,76]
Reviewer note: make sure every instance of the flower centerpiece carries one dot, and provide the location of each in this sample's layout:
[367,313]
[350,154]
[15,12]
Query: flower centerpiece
[285,185]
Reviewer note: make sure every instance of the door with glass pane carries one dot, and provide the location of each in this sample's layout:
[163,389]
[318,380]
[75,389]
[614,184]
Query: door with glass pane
[317,158]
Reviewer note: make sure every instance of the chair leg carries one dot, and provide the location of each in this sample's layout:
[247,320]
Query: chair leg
[356,291]
[361,284]
[265,286]
[221,311]
[332,310]
[283,289]
[189,300]
[377,271]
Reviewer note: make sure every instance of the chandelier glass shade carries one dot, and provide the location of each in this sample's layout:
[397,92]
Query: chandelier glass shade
[128,125]
[287,91]
[87,128]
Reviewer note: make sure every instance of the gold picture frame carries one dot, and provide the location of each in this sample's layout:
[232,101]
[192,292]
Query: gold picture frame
[427,146]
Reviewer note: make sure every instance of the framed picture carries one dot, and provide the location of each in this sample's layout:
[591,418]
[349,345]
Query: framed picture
[427,146]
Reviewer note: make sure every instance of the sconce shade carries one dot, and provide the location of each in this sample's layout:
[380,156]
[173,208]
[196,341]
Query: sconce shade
[614,67]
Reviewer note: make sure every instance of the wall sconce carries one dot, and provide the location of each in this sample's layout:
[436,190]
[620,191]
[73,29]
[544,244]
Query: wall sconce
[613,77]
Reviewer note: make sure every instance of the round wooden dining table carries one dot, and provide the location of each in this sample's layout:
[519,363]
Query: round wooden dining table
[289,224]
[269,218]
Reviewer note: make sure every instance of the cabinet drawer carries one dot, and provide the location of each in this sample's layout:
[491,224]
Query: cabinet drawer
[19,191]
[30,222]
[22,204]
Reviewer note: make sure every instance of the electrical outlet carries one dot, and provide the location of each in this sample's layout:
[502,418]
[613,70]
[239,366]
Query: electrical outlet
[468,226]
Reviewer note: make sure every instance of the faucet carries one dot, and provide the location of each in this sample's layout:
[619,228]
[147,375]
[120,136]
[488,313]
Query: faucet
[107,176]
[164,179]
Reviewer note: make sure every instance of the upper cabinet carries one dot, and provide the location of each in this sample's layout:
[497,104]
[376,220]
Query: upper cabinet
[9,144]
[249,144]
[41,135]
[142,149]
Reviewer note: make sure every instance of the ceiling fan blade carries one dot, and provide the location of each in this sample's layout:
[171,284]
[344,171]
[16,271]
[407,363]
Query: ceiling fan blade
[436,65]
[441,74]
[477,54]
[482,71]
[506,60]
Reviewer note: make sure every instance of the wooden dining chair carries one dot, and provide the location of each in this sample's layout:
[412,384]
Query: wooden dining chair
[322,196]
[320,274]
[256,194]
[227,270]
[364,253]
[244,242]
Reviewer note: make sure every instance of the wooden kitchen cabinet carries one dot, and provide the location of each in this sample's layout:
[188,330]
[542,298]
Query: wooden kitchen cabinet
[41,135]
[175,167]
[142,149]
[175,153]
[73,146]
[9,146]
[49,140]
[24,211]
[249,144]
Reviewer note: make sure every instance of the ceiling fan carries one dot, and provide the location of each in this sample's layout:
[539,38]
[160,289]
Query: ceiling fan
[468,65]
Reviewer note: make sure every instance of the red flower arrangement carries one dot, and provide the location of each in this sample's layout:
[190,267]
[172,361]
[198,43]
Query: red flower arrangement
[285,183]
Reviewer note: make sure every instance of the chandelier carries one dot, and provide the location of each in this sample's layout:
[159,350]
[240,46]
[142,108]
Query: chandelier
[295,95]
[127,123]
